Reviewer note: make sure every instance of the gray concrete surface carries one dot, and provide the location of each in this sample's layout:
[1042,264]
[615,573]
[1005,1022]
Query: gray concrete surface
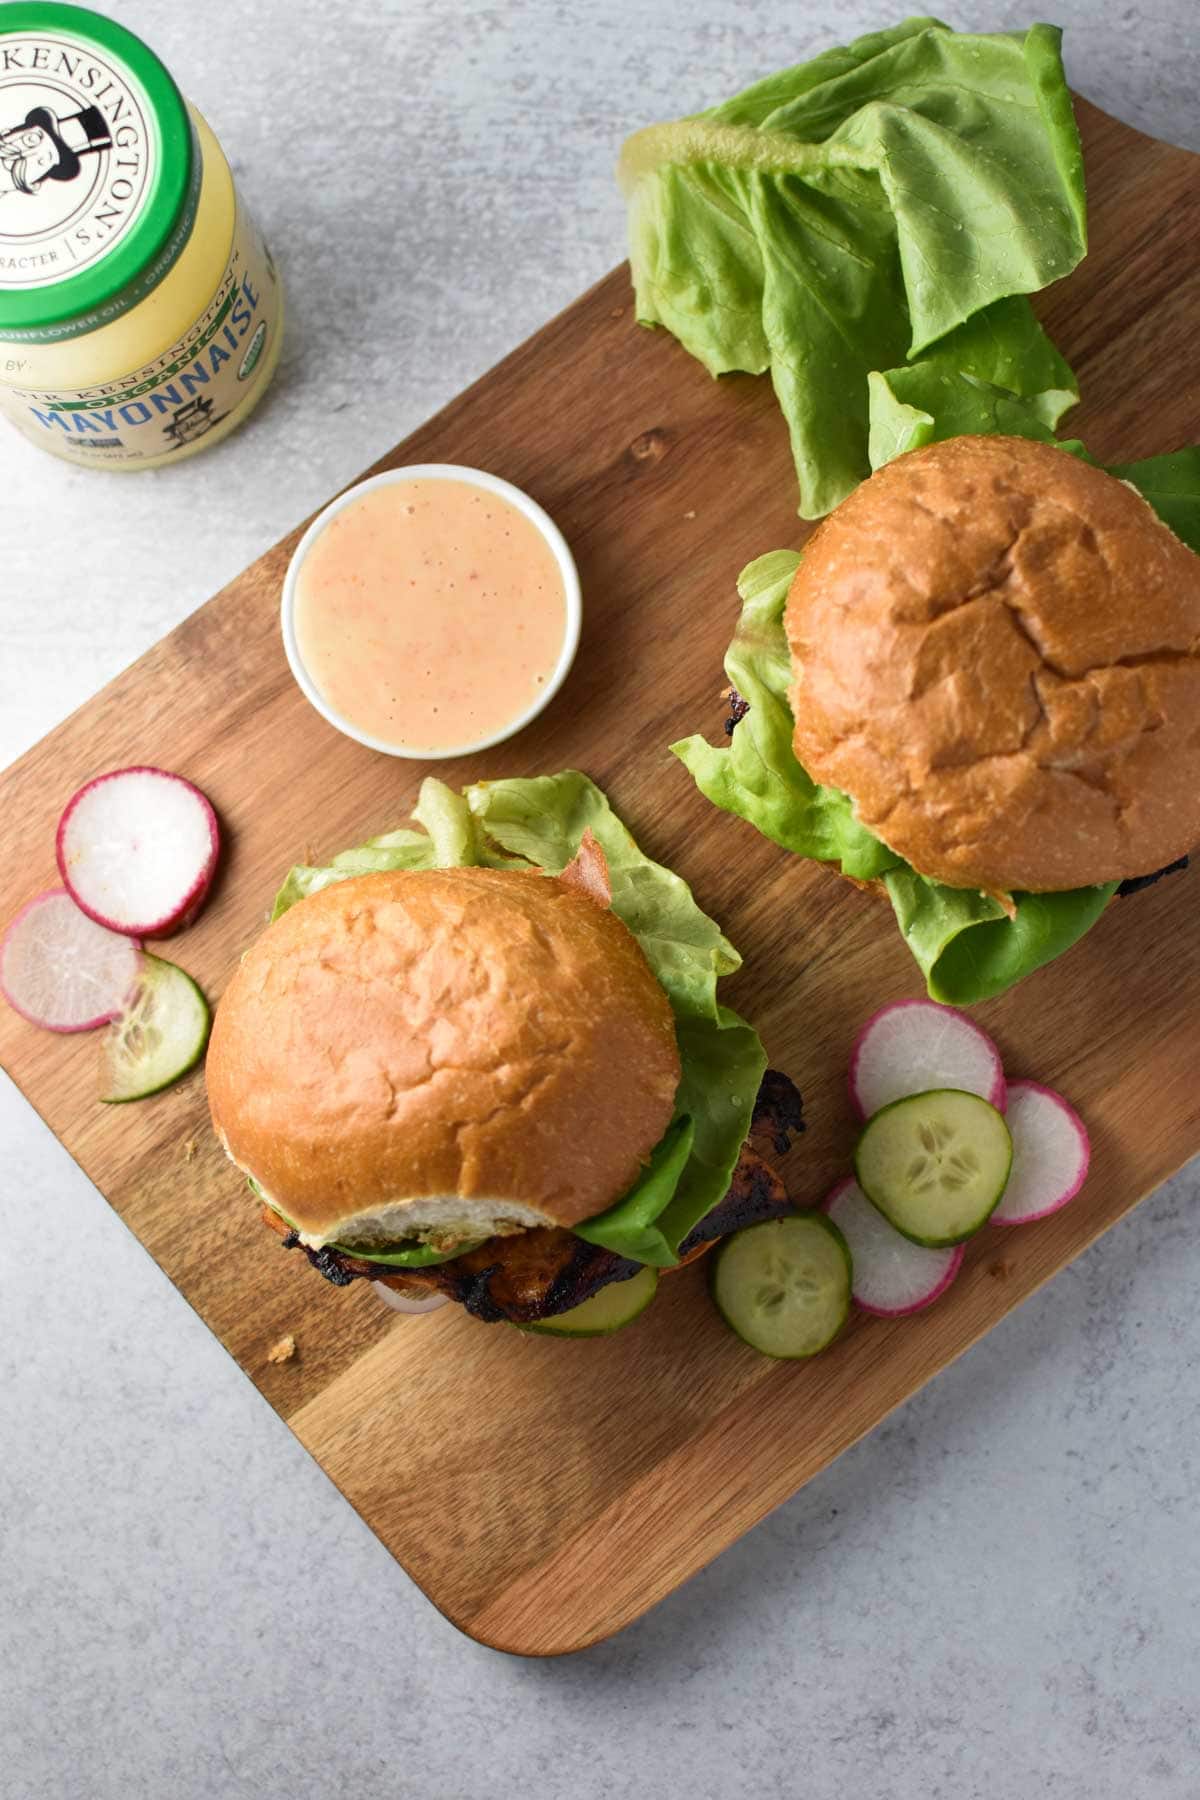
[995,1595]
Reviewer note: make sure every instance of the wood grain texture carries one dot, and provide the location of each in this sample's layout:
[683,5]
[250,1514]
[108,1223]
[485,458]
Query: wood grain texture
[543,1493]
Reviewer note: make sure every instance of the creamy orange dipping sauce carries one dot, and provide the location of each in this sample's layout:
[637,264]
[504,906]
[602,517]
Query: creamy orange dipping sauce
[430,613]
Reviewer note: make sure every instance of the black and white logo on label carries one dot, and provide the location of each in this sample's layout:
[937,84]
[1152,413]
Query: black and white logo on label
[76,153]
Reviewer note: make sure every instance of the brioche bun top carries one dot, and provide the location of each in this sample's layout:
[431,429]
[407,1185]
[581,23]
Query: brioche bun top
[996,654]
[446,1054]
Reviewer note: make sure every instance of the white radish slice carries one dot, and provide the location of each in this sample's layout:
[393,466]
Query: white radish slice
[1051,1153]
[891,1275]
[137,849]
[402,1304]
[158,1037]
[915,1046]
[60,969]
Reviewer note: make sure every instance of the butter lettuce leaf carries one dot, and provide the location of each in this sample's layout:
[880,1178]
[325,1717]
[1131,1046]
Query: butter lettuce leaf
[638,1225]
[967,947]
[912,407]
[542,819]
[405,1256]
[1171,484]
[891,200]
[446,839]
[997,373]
[757,775]
[540,822]
[408,1256]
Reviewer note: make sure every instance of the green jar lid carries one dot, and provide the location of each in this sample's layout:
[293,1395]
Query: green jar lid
[99,171]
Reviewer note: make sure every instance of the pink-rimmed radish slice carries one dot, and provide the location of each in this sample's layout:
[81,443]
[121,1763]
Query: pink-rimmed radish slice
[402,1304]
[915,1046]
[58,968]
[891,1276]
[137,849]
[1051,1153]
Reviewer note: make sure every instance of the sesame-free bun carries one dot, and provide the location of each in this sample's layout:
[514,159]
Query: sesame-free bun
[444,1053]
[996,655]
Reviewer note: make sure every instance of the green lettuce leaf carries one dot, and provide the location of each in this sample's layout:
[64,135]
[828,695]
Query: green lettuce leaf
[991,375]
[757,776]
[634,1227]
[540,822]
[411,1256]
[447,840]
[967,947]
[891,200]
[1172,486]
[906,414]
[722,1060]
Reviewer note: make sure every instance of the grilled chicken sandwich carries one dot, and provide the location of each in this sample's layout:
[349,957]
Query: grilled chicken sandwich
[975,694]
[437,1078]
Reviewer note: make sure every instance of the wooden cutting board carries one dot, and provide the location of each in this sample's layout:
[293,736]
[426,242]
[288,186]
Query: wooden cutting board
[544,1493]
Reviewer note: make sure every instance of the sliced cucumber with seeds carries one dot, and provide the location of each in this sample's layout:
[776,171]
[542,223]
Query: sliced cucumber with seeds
[784,1285]
[935,1164]
[616,1305]
[159,1037]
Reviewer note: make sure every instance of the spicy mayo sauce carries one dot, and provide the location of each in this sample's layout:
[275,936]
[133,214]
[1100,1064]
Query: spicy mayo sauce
[430,614]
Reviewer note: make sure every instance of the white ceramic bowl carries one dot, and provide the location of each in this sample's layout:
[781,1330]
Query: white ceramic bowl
[490,484]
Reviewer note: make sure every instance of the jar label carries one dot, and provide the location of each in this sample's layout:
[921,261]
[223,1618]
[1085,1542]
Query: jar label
[78,154]
[192,387]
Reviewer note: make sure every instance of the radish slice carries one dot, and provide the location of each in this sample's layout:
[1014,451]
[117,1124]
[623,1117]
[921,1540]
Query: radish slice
[61,970]
[1051,1153]
[137,849]
[914,1046]
[158,1037]
[402,1304]
[891,1276]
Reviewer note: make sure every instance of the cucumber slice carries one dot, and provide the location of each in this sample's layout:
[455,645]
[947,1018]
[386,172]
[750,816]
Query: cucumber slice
[159,1037]
[935,1164]
[784,1285]
[616,1305]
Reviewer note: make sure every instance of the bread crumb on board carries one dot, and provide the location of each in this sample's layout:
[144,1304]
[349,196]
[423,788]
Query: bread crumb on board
[189,1149]
[283,1350]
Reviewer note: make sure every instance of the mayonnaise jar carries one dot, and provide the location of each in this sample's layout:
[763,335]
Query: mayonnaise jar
[140,312]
